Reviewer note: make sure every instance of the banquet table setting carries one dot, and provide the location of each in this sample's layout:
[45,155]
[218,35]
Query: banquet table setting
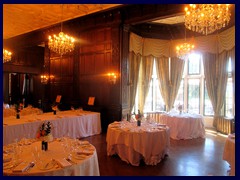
[11,111]
[183,125]
[229,153]
[74,123]
[133,143]
[64,157]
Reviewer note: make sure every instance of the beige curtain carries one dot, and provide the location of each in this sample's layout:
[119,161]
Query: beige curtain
[216,80]
[231,54]
[146,70]
[134,64]
[170,75]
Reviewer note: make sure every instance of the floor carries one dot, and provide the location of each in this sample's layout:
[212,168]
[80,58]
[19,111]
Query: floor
[197,157]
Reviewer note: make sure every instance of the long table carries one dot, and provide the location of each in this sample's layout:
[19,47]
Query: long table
[75,124]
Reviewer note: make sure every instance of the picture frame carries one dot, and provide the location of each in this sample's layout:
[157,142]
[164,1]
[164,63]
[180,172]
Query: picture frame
[91,101]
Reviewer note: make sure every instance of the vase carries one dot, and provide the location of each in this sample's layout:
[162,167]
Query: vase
[138,123]
[44,145]
[18,115]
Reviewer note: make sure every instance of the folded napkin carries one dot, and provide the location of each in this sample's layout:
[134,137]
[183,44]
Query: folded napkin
[63,162]
[23,166]
[6,158]
[84,143]
[87,153]
[232,136]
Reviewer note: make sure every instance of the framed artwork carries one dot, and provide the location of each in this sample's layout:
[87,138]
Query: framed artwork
[58,98]
[91,101]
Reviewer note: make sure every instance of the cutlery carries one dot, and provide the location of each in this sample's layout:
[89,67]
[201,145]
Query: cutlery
[31,165]
[69,160]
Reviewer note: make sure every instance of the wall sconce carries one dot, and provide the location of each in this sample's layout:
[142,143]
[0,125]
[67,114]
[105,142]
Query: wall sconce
[45,78]
[112,78]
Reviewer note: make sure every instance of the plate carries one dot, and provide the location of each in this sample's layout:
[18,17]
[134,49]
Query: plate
[8,165]
[46,166]
[79,156]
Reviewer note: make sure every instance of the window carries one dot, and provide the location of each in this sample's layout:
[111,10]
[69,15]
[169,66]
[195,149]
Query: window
[208,110]
[193,99]
[192,92]
[154,101]
[229,101]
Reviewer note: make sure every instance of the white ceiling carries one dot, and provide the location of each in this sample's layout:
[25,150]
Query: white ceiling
[23,18]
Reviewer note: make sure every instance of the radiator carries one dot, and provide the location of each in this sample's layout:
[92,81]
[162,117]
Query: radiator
[225,125]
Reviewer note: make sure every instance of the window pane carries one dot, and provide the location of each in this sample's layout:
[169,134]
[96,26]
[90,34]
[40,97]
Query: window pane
[154,101]
[229,99]
[159,103]
[179,99]
[149,101]
[194,95]
[208,110]
[194,64]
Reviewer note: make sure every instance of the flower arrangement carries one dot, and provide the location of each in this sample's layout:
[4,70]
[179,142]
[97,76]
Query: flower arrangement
[44,130]
[180,108]
[18,107]
[138,116]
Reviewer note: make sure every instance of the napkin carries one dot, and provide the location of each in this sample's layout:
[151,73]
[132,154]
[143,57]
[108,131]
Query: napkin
[85,152]
[232,136]
[23,166]
[84,143]
[63,162]
[6,158]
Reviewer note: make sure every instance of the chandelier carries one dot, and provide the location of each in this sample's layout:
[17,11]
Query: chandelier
[207,18]
[184,49]
[7,55]
[62,43]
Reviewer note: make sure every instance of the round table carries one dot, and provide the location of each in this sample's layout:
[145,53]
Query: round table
[229,153]
[184,125]
[83,163]
[132,143]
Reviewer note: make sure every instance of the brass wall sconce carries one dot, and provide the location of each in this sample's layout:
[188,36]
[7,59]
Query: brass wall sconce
[112,78]
[45,78]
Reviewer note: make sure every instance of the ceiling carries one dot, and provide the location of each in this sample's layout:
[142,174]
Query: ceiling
[23,18]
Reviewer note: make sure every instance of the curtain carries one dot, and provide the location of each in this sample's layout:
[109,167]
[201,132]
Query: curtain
[170,75]
[145,79]
[231,54]
[216,80]
[134,64]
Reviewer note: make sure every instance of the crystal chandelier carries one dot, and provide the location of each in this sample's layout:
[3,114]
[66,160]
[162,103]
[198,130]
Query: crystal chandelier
[62,43]
[184,49]
[207,18]
[7,55]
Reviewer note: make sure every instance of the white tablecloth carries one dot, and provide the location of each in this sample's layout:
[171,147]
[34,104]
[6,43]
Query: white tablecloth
[184,126]
[229,153]
[75,124]
[86,166]
[133,143]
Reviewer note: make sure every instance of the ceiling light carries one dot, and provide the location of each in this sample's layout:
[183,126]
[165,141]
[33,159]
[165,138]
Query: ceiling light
[207,18]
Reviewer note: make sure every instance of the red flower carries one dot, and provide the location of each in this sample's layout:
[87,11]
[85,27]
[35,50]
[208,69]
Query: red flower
[38,135]
[43,132]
